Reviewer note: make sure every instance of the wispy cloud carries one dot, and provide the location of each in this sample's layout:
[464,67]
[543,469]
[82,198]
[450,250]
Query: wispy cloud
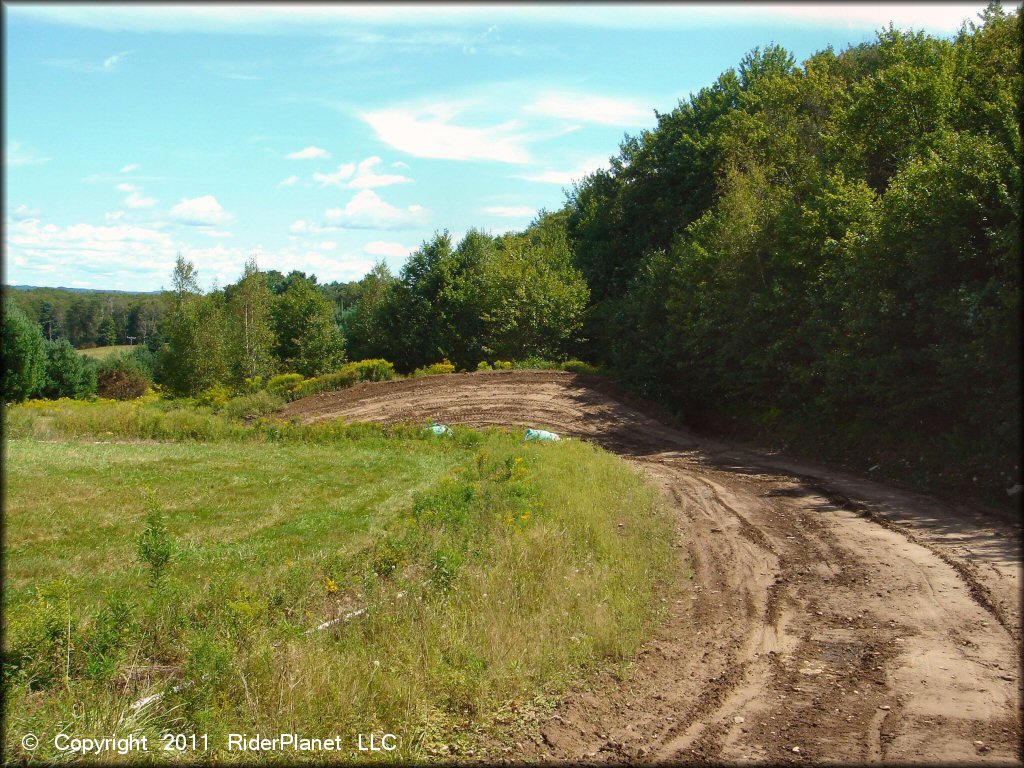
[431,131]
[309,153]
[291,181]
[567,177]
[135,197]
[362,176]
[17,154]
[24,212]
[199,211]
[330,19]
[108,64]
[383,248]
[513,212]
[368,211]
[591,108]
[130,167]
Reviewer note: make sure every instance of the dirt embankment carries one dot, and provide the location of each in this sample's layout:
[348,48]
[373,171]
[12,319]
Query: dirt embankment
[829,618]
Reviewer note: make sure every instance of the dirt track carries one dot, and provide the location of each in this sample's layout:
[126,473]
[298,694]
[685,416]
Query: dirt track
[829,618]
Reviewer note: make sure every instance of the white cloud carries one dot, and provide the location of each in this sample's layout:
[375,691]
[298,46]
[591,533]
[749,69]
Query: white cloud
[49,248]
[211,232]
[135,197]
[510,211]
[344,172]
[291,181]
[368,211]
[107,65]
[302,227]
[23,212]
[199,211]
[309,153]
[362,176]
[429,132]
[113,215]
[330,19]
[367,178]
[130,167]
[382,248]
[591,108]
[566,178]
[327,245]
[17,154]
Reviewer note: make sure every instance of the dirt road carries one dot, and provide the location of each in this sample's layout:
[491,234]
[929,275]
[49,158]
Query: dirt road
[829,618]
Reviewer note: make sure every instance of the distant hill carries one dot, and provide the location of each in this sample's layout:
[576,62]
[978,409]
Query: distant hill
[78,290]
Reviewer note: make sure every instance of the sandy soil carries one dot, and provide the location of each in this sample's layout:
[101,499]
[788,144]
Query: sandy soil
[829,618]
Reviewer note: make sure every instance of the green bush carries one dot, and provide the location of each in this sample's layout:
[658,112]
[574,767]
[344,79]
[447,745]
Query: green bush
[216,396]
[346,376]
[535,364]
[122,377]
[68,374]
[257,404]
[578,366]
[434,369]
[502,365]
[283,384]
[483,365]
[24,356]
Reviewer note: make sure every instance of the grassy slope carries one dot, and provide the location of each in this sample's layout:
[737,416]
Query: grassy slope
[101,352]
[494,572]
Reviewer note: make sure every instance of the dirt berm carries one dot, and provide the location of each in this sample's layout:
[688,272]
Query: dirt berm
[829,618]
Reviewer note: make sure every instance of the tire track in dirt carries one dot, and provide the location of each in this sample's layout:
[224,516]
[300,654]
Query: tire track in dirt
[828,618]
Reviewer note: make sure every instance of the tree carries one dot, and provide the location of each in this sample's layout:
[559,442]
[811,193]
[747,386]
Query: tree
[308,340]
[67,373]
[24,355]
[252,335]
[195,356]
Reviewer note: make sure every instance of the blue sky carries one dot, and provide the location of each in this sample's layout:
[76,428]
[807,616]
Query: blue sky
[327,137]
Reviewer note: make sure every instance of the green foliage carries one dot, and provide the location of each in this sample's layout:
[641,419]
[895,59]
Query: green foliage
[434,369]
[254,405]
[283,384]
[344,377]
[502,365]
[68,374]
[24,355]
[122,377]
[578,366]
[250,306]
[835,243]
[214,397]
[483,365]
[308,340]
[154,545]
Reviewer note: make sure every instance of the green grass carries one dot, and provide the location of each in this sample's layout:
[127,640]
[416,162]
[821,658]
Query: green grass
[493,572]
[101,352]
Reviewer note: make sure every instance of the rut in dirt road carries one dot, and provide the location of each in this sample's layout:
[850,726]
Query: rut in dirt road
[828,618]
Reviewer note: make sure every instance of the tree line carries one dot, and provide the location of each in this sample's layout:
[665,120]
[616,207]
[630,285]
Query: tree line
[823,249]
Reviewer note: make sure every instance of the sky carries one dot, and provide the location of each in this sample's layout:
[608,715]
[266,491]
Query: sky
[326,137]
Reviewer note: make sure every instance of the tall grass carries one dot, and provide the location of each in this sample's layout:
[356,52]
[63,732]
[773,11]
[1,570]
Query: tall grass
[490,572]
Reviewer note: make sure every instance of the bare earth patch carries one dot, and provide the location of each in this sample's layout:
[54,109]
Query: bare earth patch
[830,618]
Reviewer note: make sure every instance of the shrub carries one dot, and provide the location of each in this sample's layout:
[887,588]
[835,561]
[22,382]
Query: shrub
[283,384]
[535,364]
[121,377]
[434,369]
[67,372]
[483,365]
[216,396]
[346,376]
[578,366]
[502,365]
[256,404]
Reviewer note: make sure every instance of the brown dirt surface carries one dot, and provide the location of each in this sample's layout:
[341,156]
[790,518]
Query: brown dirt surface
[829,618]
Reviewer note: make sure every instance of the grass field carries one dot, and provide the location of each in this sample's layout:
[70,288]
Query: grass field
[100,352]
[492,573]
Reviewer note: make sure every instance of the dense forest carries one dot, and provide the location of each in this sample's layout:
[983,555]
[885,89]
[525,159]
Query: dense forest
[823,255]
